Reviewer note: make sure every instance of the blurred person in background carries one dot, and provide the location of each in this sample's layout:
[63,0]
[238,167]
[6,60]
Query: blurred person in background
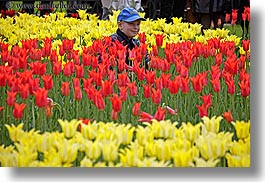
[109,5]
[210,13]
[172,8]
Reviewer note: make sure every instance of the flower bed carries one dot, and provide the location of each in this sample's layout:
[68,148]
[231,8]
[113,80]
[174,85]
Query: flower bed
[64,69]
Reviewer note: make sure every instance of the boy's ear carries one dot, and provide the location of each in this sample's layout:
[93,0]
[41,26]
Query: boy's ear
[119,24]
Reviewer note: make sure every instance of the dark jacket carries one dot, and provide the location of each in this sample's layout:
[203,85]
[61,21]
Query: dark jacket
[130,43]
[209,6]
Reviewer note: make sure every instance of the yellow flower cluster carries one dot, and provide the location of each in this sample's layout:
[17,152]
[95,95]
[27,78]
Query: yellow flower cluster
[89,28]
[99,144]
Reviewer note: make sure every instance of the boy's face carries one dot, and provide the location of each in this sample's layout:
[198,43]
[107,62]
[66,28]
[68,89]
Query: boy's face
[130,29]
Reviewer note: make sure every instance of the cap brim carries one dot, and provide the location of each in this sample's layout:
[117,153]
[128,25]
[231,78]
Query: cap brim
[131,19]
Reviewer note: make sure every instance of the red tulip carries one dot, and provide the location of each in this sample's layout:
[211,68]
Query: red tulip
[107,88]
[114,115]
[123,79]
[227,17]
[33,85]
[147,91]
[61,50]
[24,91]
[41,97]
[94,62]
[140,72]
[234,16]
[174,85]
[48,82]
[86,59]
[123,93]
[35,54]
[133,88]
[184,71]
[228,116]
[150,77]
[57,67]
[65,89]
[231,89]
[116,103]
[184,85]
[197,83]
[76,82]
[207,100]
[99,100]
[159,83]
[11,98]
[244,88]
[159,39]
[68,69]
[244,16]
[216,84]
[18,110]
[68,44]
[146,117]
[79,71]
[244,75]
[53,56]
[246,44]
[165,80]
[218,59]
[142,37]
[154,51]
[121,65]
[203,110]
[97,77]
[215,72]
[156,96]
[3,80]
[231,65]
[136,110]
[78,93]
[38,67]
[160,114]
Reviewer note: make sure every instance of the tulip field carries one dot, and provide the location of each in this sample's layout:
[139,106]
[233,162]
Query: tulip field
[68,99]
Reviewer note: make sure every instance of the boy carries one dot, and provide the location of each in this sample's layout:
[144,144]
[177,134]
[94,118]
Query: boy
[128,27]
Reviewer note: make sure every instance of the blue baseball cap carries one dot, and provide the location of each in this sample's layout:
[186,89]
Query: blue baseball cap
[129,15]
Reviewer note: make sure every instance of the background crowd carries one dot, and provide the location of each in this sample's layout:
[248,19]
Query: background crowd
[209,13]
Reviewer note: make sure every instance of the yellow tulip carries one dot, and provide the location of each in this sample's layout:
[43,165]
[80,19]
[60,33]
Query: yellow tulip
[129,156]
[69,128]
[124,133]
[238,160]
[15,131]
[240,147]
[163,150]
[68,151]
[82,14]
[182,158]
[212,124]
[233,38]
[144,135]
[152,162]
[89,131]
[86,162]
[191,132]
[109,151]
[92,149]
[242,129]
[200,162]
